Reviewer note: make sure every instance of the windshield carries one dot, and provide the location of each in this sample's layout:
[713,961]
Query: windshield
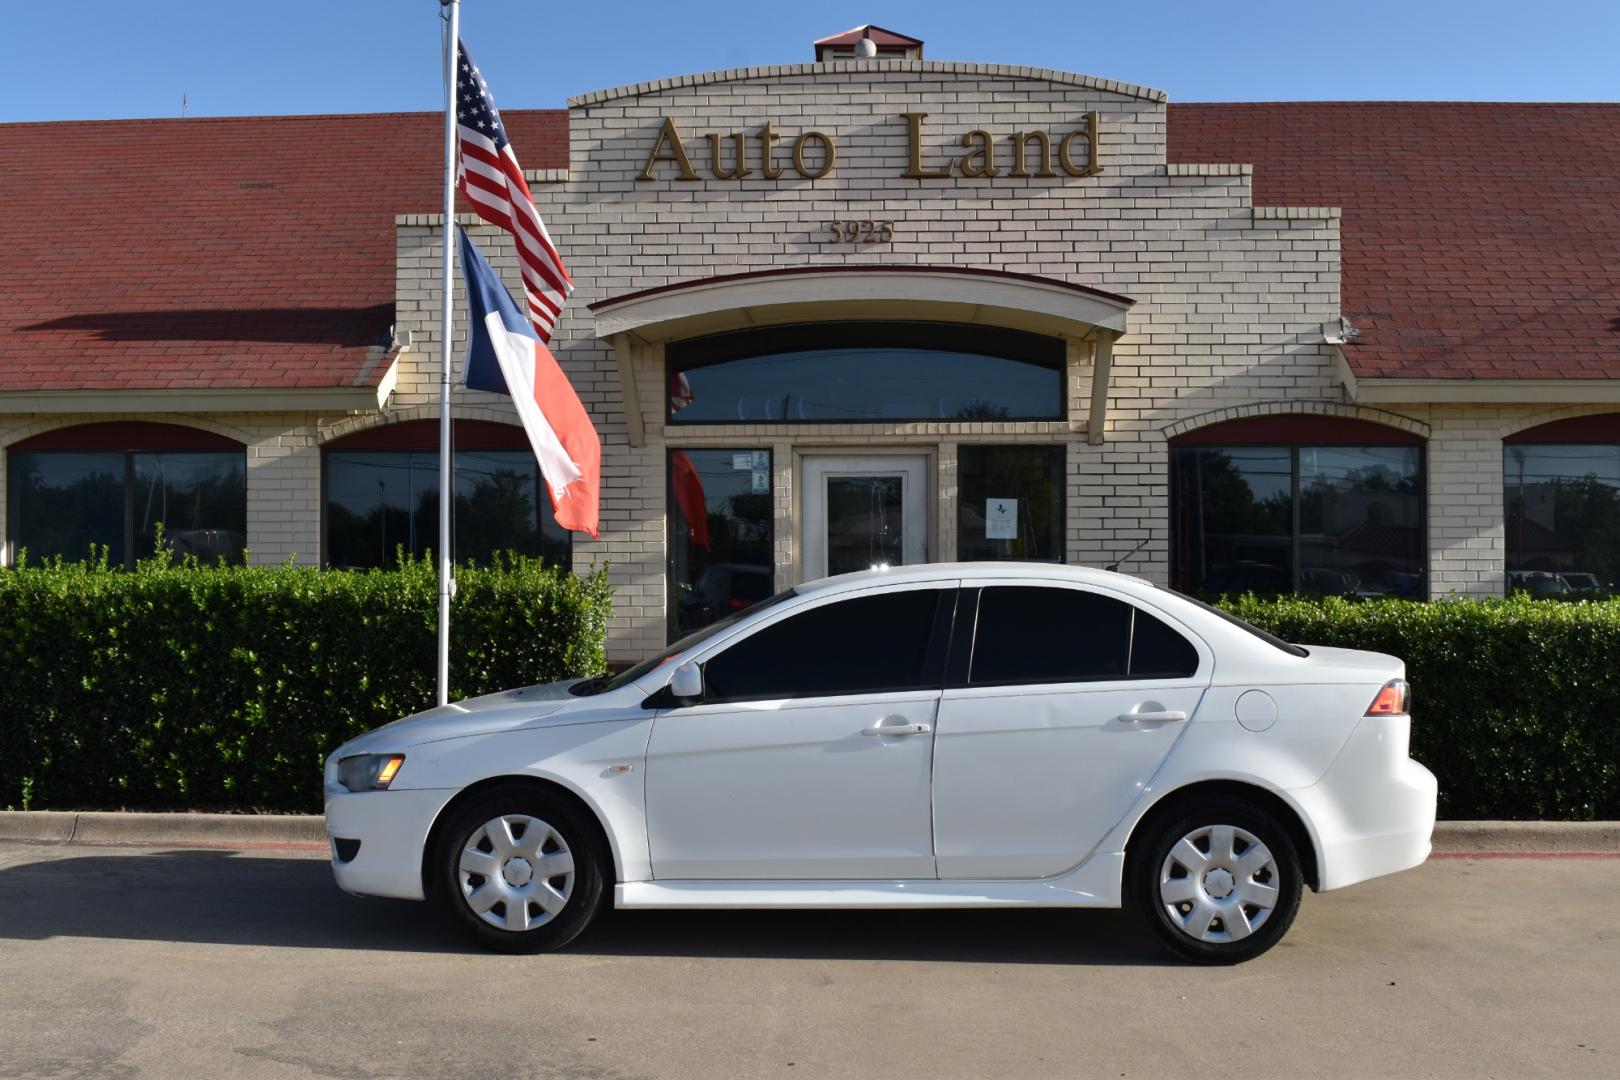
[603,683]
[1269,638]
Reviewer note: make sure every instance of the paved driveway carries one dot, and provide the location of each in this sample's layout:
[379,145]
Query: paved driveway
[179,963]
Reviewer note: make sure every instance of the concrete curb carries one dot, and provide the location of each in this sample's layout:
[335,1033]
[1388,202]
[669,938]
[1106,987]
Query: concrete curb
[1559,837]
[214,830]
[258,830]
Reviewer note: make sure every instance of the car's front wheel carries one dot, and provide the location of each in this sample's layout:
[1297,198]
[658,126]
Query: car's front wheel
[520,869]
[1218,880]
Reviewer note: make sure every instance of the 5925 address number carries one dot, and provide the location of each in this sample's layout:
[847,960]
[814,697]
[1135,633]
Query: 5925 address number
[859,231]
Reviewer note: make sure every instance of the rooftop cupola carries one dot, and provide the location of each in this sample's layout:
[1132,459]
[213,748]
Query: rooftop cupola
[864,42]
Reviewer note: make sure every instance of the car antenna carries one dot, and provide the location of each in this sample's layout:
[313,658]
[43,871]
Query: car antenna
[1113,567]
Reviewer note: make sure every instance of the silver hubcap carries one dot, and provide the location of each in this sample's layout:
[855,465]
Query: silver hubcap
[516,872]
[1219,883]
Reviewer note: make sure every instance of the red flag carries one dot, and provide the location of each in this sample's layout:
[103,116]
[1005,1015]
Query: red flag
[689,497]
[680,392]
[578,506]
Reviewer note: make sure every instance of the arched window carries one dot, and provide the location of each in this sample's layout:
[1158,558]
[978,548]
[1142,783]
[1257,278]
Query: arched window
[380,492]
[1561,494]
[118,485]
[871,372]
[1308,504]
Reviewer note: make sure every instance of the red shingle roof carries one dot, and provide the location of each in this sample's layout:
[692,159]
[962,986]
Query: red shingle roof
[1479,240]
[195,254]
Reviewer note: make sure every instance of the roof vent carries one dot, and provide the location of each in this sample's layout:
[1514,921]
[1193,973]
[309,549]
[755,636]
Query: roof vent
[864,42]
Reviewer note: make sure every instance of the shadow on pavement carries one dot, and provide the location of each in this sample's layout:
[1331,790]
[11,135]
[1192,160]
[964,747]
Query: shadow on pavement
[224,897]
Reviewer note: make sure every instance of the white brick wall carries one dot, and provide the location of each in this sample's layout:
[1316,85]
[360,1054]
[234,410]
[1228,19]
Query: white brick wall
[1230,302]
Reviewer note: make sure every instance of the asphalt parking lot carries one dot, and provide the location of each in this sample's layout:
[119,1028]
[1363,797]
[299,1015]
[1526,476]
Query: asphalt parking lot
[126,961]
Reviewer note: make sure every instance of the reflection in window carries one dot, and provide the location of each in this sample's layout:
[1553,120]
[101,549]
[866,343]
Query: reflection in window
[863,645]
[200,499]
[1034,634]
[1233,511]
[1320,520]
[866,371]
[865,523]
[1031,634]
[378,501]
[720,534]
[65,503]
[1011,502]
[1563,518]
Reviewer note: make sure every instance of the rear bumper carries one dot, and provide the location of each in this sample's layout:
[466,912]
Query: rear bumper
[1373,811]
[392,828]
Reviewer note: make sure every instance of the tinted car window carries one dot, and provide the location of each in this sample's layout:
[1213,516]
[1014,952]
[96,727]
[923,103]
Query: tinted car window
[861,645]
[1158,652]
[1039,634]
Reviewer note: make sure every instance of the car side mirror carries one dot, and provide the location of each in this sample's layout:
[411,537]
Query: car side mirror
[687,683]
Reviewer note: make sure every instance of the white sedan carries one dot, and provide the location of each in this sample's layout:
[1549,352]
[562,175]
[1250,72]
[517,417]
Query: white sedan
[936,736]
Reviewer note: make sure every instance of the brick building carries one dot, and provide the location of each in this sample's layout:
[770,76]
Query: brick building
[844,312]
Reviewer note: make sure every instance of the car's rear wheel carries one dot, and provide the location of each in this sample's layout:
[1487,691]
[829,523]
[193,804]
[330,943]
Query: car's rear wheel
[1218,880]
[520,869]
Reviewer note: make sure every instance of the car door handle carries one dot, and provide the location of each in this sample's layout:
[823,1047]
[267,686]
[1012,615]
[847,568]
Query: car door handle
[1160,715]
[898,729]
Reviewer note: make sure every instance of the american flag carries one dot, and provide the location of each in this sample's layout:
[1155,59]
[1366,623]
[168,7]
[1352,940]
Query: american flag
[488,173]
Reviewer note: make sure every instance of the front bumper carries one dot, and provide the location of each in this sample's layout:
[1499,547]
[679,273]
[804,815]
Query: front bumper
[1373,811]
[392,828]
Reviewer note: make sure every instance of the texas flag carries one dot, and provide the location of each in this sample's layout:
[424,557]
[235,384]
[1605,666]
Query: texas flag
[506,356]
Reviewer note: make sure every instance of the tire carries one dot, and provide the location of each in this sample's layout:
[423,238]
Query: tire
[1239,863]
[490,869]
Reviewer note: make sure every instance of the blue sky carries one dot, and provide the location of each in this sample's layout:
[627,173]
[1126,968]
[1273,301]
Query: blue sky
[80,59]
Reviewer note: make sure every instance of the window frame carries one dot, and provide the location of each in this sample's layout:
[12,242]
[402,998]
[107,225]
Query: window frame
[408,436]
[964,637]
[1294,446]
[125,439]
[731,346]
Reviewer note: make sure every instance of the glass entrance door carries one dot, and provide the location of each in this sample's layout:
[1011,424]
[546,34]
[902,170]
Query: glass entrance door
[861,512]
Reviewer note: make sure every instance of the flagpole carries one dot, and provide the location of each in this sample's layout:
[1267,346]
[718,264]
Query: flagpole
[447,585]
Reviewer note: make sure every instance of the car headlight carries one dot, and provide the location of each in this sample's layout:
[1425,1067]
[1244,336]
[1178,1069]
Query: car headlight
[369,772]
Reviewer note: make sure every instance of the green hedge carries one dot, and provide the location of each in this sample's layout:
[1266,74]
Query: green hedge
[1515,703]
[179,686]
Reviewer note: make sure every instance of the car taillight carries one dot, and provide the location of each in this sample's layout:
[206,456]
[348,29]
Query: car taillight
[1392,700]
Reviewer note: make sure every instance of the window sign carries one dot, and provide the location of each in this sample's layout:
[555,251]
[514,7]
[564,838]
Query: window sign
[1001,519]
